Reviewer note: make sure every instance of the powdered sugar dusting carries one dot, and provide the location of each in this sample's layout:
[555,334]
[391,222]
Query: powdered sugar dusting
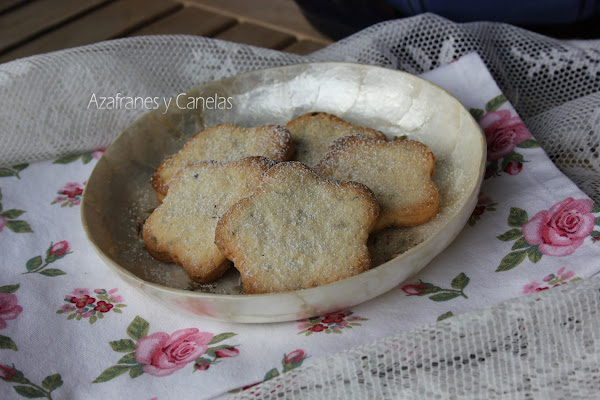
[314,132]
[184,225]
[399,173]
[228,142]
[294,232]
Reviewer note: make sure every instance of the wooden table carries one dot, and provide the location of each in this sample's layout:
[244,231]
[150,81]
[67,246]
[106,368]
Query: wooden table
[29,27]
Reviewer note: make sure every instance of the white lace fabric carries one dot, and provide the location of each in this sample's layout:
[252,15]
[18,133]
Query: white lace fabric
[542,346]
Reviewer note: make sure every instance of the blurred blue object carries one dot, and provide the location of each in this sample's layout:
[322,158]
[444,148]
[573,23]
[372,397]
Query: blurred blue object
[558,18]
[523,12]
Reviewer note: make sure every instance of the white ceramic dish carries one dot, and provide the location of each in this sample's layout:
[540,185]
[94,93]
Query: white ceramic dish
[118,196]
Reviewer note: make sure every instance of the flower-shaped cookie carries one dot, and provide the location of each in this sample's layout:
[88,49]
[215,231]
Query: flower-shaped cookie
[399,173]
[298,230]
[314,132]
[225,142]
[182,228]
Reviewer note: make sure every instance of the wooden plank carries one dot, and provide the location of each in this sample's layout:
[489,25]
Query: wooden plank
[188,21]
[304,47]
[281,15]
[114,20]
[7,4]
[25,22]
[256,35]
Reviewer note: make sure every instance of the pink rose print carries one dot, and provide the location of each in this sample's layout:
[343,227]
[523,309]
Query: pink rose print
[513,167]
[227,352]
[59,249]
[414,289]
[7,373]
[553,280]
[503,133]
[160,354]
[202,365]
[562,229]
[556,232]
[478,210]
[421,288]
[69,195]
[330,323]
[80,304]
[295,357]
[2,223]
[38,264]
[9,308]
[164,354]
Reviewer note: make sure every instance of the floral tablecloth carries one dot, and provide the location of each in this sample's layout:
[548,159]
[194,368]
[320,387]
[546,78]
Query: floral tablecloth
[70,328]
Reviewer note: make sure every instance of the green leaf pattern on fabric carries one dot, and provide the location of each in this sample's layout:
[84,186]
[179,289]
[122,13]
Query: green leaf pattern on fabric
[555,232]
[8,219]
[421,288]
[27,388]
[6,172]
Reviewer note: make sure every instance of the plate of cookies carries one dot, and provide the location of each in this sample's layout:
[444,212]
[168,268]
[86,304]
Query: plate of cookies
[315,187]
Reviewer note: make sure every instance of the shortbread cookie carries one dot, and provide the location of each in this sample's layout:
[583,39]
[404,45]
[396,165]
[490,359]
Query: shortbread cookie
[225,142]
[182,228]
[314,132]
[298,230]
[399,173]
